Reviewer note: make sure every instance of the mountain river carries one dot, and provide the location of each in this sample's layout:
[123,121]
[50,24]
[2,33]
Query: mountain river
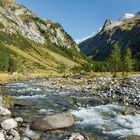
[98,119]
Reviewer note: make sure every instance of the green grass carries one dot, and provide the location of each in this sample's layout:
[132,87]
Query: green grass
[37,58]
[1,26]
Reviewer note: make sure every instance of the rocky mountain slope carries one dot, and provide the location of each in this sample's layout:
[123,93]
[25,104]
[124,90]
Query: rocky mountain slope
[29,43]
[124,31]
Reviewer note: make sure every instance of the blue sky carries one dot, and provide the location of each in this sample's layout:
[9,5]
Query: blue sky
[81,18]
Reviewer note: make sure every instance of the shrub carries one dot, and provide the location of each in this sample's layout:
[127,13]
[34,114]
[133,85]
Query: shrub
[76,69]
[9,101]
[7,63]
[87,67]
[12,65]
[62,68]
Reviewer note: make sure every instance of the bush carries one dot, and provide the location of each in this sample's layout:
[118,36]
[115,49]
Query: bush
[62,68]
[100,66]
[87,67]
[9,101]
[7,63]
[76,69]
[4,59]
[12,65]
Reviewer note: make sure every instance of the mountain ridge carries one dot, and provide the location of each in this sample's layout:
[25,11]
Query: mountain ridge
[34,43]
[125,34]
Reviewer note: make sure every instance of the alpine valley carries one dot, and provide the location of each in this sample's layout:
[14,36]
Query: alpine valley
[50,89]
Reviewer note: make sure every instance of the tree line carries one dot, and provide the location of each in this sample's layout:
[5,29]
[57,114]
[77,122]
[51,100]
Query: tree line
[120,63]
[116,62]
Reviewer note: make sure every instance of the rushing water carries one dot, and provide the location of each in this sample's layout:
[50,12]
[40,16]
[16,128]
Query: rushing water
[101,119]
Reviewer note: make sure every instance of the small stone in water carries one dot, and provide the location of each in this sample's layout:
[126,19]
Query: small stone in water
[42,111]
[31,134]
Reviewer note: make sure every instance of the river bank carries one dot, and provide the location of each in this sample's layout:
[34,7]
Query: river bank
[14,77]
[17,77]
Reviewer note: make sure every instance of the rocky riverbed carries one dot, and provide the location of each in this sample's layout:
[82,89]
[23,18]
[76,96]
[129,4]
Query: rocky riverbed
[125,90]
[57,108]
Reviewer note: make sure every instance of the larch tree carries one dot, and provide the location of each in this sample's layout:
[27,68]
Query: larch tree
[115,60]
[128,61]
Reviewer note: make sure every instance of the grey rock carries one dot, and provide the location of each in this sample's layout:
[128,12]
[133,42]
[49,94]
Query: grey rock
[14,133]
[9,124]
[25,138]
[4,111]
[43,111]
[57,121]
[19,119]
[10,137]
[31,134]
[76,136]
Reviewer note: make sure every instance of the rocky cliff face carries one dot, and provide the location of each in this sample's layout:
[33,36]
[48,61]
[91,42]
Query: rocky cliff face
[125,32]
[32,36]
[16,19]
[110,24]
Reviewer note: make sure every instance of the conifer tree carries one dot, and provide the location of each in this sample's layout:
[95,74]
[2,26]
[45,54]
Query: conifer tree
[127,61]
[115,60]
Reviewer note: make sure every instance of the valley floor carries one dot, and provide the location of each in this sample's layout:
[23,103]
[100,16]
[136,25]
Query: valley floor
[15,77]
[8,78]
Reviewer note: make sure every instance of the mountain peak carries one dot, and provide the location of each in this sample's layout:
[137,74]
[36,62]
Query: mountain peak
[127,16]
[109,24]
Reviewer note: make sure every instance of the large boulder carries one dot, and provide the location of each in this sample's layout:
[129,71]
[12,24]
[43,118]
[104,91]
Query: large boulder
[9,124]
[53,122]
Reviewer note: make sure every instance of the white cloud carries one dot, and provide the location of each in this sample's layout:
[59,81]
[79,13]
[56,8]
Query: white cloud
[91,35]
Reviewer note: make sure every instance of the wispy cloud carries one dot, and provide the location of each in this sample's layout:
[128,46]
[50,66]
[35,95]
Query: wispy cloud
[88,36]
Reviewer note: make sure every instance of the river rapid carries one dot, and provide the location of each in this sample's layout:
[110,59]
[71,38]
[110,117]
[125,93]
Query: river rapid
[98,118]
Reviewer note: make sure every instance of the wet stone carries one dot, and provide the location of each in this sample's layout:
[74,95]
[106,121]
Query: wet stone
[57,121]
